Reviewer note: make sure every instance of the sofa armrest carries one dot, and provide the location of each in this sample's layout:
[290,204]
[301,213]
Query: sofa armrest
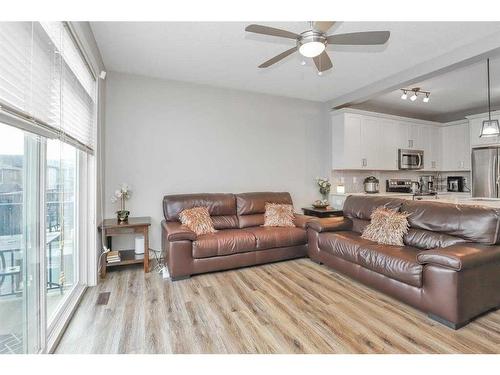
[175,231]
[460,257]
[301,221]
[330,224]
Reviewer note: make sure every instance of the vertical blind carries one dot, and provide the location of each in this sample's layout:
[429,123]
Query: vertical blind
[45,79]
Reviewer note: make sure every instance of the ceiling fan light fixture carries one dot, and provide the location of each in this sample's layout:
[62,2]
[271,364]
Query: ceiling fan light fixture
[311,43]
[312,49]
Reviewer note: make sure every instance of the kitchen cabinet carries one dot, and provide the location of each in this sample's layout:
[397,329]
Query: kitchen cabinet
[456,149]
[431,145]
[363,141]
[346,141]
[370,146]
[415,137]
[354,142]
[388,151]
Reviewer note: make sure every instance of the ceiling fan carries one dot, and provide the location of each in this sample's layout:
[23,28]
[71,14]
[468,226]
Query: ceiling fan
[313,42]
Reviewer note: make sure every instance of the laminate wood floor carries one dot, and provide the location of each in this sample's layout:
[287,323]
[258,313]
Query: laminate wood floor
[288,307]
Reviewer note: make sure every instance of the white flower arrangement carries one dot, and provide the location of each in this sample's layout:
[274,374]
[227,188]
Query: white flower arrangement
[324,185]
[122,194]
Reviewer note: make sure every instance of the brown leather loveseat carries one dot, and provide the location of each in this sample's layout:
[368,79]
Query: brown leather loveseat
[240,239]
[448,268]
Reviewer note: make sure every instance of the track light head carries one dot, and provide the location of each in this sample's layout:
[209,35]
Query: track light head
[405,95]
[414,96]
[426,99]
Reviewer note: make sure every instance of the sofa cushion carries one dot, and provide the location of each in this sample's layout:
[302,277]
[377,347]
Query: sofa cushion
[223,242]
[361,207]
[251,206]
[278,215]
[271,237]
[198,220]
[425,239]
[397,262]
[471,223]
[342,244]
[387,227]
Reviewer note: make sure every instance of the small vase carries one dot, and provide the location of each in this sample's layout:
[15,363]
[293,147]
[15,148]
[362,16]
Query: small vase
[122,215]
[325,194]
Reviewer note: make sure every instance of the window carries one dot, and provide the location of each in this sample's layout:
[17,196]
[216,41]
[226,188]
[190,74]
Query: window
[47,127]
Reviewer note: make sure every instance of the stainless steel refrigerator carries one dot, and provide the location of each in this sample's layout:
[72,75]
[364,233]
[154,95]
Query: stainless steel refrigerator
[485,172]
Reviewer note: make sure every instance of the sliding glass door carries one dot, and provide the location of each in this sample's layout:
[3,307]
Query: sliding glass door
[61,224]
[19,239]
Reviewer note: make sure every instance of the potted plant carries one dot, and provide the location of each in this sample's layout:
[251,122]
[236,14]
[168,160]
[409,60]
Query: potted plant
[122,195]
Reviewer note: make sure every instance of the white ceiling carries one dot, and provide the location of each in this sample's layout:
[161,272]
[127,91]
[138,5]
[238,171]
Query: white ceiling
[223,54]
[454,94]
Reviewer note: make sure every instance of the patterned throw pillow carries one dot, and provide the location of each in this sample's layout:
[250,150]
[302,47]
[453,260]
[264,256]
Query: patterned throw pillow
[387,227]
[198,220]
[278,215]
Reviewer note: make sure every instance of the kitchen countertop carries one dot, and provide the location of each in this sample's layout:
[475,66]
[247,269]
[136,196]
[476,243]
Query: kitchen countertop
[384,193]
[444,197]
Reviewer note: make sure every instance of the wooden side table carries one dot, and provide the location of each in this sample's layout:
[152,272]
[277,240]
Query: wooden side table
[134,225]
[322,212]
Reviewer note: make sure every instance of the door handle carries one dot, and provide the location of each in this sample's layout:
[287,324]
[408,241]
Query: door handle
[419,164]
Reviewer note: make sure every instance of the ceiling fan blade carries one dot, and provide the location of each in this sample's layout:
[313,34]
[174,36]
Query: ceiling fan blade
[266,30]
[323,26]
[277,58]
[363,38]
[323,62]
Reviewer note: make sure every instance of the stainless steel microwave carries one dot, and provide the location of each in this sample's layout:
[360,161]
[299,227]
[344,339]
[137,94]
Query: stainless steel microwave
[410,159]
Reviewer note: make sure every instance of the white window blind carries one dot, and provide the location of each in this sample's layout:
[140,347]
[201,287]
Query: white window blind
[45,80]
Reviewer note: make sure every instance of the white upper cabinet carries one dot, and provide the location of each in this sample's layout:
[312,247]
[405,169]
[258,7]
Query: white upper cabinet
[364,141]
[415,137]
[456,149]
[370,146]
[430,139]
[346,141]
[391,133]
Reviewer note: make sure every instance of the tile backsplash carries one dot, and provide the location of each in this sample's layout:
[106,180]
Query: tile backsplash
[353,179]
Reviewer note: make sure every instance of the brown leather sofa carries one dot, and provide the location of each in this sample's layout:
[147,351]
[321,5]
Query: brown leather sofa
[448,268]
[240,240]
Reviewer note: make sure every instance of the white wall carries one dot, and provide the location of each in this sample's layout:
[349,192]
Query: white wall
[166,137]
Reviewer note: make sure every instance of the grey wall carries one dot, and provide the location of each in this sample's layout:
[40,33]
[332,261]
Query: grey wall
[165,137]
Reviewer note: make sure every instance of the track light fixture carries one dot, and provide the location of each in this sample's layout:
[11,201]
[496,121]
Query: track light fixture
[415,92]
